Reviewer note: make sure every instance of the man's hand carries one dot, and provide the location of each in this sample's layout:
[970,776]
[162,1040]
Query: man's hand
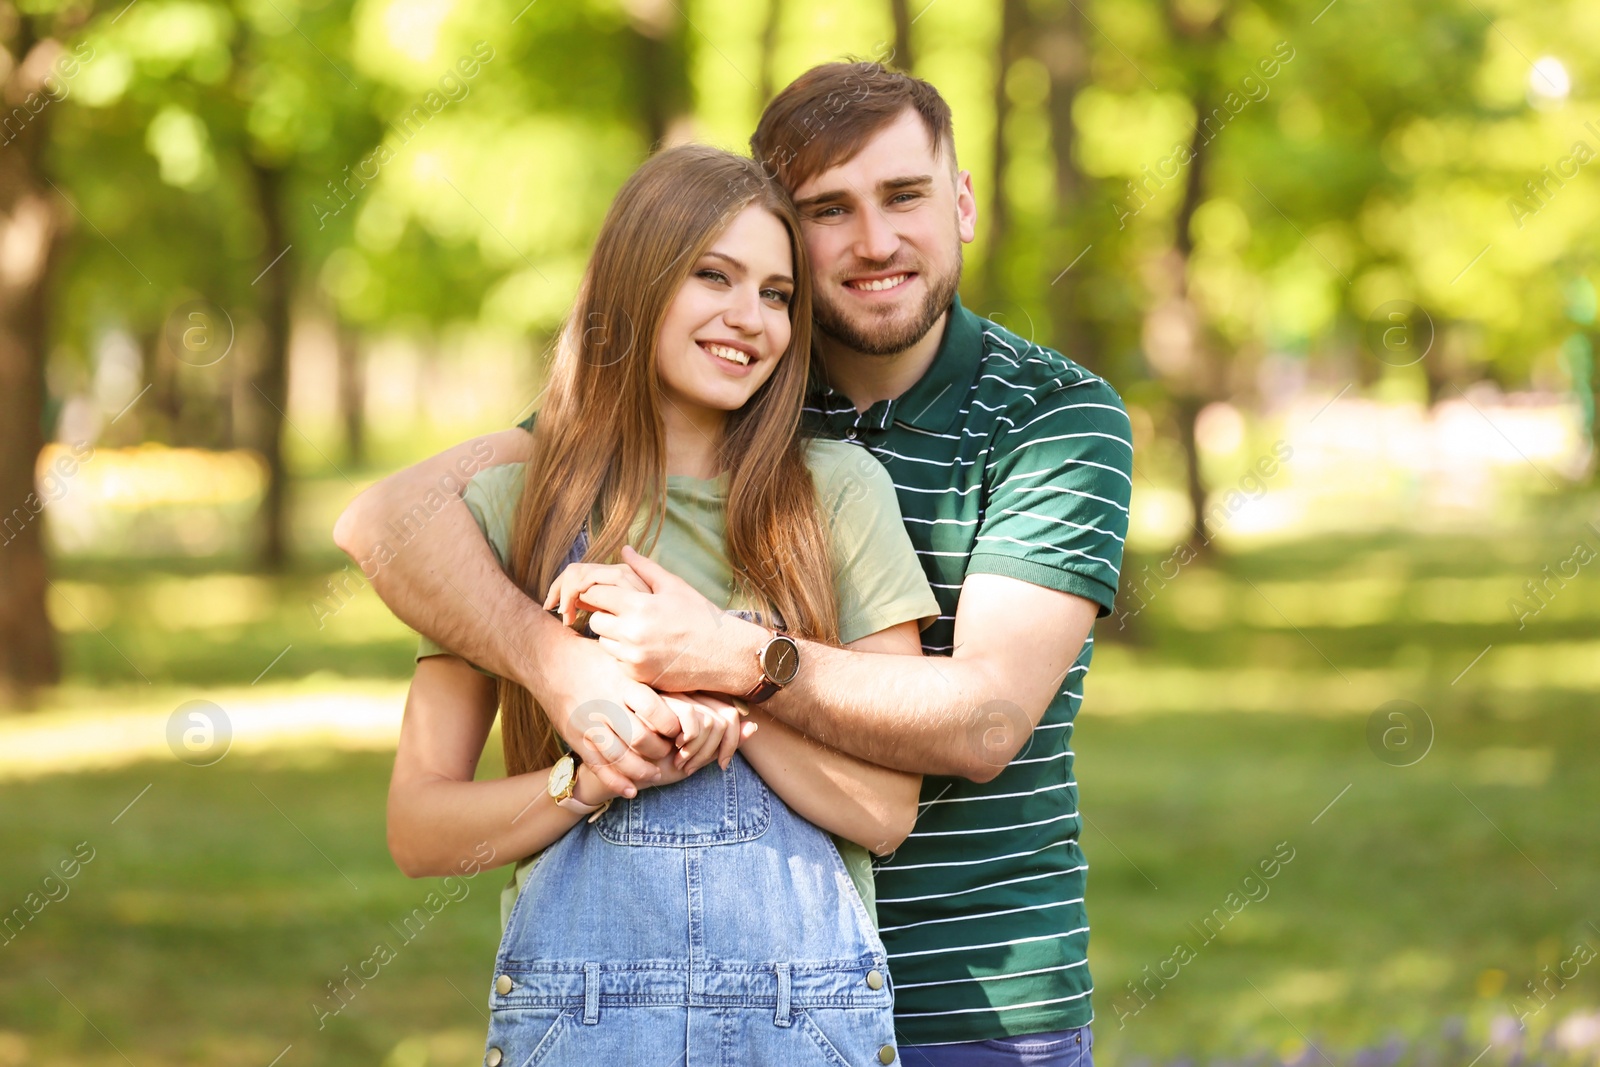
[619,727]
[627,732]
[671,637]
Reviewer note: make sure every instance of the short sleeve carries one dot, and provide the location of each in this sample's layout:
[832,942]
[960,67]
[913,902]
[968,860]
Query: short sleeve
[879,580]
[491,496]
[1058,479]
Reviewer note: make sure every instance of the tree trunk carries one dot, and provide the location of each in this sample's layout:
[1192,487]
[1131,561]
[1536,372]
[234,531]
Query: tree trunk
[352,392]
[1062,47]
[1013,28]
[1174,332]
[30,225]
[665,90]
[903,57]
[1186,412]
[271,380]
[767,77]
[1200,384]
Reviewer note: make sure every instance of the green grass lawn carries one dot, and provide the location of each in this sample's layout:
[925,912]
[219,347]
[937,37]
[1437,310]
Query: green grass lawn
[1229,721]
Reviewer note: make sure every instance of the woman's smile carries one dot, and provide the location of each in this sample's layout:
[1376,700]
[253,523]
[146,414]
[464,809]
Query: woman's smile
[732,357]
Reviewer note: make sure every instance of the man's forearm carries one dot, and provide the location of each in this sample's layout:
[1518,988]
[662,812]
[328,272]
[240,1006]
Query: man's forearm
[922,714]
[911,713]
[417,543]
[965,715]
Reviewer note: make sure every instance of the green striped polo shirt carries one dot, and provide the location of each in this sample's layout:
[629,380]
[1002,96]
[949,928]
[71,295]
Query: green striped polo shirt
[1010,459]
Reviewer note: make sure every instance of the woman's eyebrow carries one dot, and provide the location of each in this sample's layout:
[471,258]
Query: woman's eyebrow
[734,263]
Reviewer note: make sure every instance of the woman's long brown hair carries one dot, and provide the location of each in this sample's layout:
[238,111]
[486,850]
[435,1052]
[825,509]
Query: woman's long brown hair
[598,440]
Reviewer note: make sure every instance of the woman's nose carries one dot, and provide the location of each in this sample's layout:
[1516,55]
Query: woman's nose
[744,311]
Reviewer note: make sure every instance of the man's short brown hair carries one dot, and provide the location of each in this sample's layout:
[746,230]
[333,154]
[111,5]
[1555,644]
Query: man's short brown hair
[830,112]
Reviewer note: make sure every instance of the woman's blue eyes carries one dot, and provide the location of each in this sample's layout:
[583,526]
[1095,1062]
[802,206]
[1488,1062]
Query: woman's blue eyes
[766,294]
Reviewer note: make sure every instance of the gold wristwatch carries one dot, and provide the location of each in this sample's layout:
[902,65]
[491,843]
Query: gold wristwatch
[563,780]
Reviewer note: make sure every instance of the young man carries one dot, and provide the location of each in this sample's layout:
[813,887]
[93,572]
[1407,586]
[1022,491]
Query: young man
[1013,469]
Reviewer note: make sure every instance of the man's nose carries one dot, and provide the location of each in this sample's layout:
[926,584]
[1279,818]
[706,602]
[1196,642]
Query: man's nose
[877,240]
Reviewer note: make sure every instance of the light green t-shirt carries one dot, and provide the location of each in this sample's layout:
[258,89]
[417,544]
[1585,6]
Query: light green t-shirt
[878,579]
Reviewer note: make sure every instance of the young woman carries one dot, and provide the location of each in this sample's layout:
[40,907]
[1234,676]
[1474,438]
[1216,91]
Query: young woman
[711,914]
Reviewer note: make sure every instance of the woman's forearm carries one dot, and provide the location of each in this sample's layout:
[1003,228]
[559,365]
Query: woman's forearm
[437,825]
[862,802]
[439,817]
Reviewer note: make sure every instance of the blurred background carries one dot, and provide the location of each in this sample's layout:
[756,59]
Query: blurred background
[1338,257]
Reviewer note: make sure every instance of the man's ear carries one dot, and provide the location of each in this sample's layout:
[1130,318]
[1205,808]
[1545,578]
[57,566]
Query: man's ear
[966,207]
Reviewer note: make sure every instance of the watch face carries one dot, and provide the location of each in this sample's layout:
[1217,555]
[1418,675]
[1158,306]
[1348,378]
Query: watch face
[561,777]
[781,659]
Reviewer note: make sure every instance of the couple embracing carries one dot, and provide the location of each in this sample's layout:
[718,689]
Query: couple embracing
[784,597]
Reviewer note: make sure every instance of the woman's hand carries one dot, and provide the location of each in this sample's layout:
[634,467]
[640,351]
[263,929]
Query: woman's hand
[712,727]
[568,588]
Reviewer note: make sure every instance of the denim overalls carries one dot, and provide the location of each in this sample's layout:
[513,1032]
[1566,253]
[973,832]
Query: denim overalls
[702,924]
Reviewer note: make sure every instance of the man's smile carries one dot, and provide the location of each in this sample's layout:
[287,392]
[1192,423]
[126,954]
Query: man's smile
[879,283]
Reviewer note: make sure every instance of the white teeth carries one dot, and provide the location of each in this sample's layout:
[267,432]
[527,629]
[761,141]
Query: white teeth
[881,284]
[732,355]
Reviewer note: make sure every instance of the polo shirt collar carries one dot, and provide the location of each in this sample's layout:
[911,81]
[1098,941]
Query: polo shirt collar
[934,400]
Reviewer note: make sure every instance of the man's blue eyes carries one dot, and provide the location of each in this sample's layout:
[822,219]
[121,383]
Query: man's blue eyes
[827,212]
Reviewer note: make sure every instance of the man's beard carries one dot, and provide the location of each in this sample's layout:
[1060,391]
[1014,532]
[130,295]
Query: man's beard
[889,338]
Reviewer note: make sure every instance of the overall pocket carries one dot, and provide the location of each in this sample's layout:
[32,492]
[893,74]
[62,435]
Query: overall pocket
[525,1037]
[711,807]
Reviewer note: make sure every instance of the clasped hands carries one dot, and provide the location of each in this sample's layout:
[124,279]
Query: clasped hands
[642,704]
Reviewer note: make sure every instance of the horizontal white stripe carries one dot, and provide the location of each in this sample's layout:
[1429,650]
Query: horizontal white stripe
[1030,442]
[1012,385]
[1062,522]
[1044,544]
[937,492]
[1007,796]
[983,915]
[891,867]
[996,944]
[946,522]
[991,977]
[995,1008]
[994,829]
[1069,461]
[981,888]
[1042,471]
[1068,407]
[929,433]
[1073,492]
[1063,754]
[956,461]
